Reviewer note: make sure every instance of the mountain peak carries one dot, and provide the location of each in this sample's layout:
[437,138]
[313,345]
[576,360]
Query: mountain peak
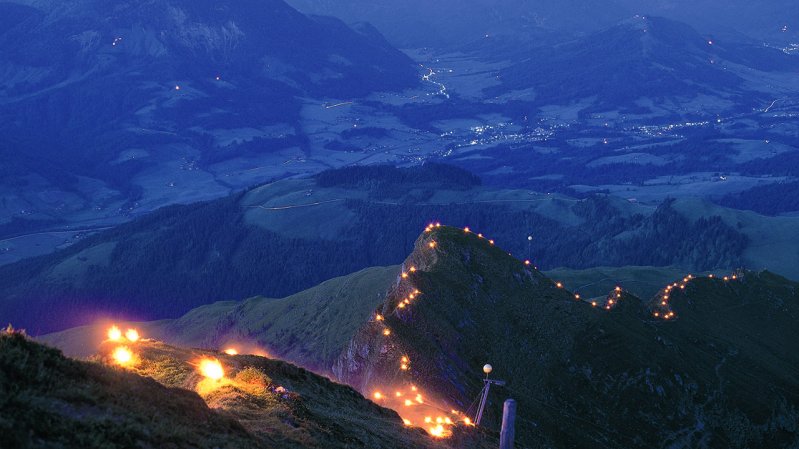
[446,299]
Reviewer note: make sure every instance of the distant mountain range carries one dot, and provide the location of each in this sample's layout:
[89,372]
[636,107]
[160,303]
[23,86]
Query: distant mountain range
[649,60]
[104,106]
[446,23]
[713,366]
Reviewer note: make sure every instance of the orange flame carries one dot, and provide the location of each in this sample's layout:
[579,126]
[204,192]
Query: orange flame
[132,335]
[114,334]
[122,356]
[212,369]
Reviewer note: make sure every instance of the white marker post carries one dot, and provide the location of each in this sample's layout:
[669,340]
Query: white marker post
[484,394]
[508,432]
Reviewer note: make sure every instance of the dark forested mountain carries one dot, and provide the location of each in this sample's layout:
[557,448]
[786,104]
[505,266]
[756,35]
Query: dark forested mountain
[773,199]
[713,367]
[284,237]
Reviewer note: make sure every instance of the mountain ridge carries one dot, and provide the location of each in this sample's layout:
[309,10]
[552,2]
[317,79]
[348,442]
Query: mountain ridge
[181,250]
[613,370]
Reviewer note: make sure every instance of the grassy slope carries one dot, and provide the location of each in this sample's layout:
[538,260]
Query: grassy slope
[311,327]
[50,400]
[722,374]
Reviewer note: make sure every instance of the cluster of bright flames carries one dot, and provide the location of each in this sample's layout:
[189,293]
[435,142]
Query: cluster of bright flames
[124,356]
[416,410]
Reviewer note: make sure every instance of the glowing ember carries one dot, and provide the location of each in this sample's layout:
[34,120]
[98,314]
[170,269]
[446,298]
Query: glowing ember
[379,317]
[559,285]
[386,332]
[231,351]
[407,422]
[212,369]
[122,356]
[432,244]
[378,395]
[438,431]
[114,334]
[132,335]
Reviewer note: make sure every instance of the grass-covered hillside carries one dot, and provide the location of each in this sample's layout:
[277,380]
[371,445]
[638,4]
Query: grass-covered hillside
[719,372]
[160,399]
[282,238]
[598,370]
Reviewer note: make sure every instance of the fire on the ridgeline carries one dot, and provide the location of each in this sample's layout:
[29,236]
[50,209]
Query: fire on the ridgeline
[114,334]
[132,335]
[418,410]
[212,369]
[123,356]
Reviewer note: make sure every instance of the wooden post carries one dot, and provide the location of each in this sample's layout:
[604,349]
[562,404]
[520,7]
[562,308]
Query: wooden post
[508,432]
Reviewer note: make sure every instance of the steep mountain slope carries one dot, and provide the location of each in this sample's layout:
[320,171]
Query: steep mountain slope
[152,403]
[105,109]
[586,375]
[647,59]
[720,371]
[270,241]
